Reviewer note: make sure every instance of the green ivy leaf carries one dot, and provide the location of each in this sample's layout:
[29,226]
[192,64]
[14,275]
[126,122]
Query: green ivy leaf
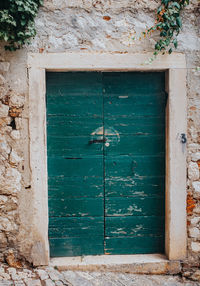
[170,51]
[176,4]
[163,33]
[17,21]
[175,43]
[159,9]
[179,22]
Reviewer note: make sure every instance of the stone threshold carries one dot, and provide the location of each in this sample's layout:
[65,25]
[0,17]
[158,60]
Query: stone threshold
[135,264]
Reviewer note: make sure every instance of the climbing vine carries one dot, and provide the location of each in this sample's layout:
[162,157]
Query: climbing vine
[168,23]
[17,22]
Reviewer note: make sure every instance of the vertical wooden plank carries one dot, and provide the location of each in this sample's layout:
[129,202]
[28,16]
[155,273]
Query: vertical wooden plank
[176,234]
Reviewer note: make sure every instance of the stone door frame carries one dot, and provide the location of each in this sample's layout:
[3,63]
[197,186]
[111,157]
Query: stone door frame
[176,124]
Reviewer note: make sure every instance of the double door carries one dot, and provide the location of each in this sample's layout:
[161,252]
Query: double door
[106,162]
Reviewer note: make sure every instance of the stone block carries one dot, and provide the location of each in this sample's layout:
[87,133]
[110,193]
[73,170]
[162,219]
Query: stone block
[11,182]
[2,80]
[42,274]
[35,282]
[16,100]
[196,275]
[14,158]
[195,246]
[194,232]
[193,171]
[49,282]
[4,110]
[3,241]
[4,66]
[196,187]
[3,199]
[196,156]
[195,220]
[4,147]
[3,91]
[15,134]
[7,225]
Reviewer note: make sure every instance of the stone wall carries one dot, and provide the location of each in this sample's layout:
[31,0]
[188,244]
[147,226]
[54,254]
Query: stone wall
[92,25]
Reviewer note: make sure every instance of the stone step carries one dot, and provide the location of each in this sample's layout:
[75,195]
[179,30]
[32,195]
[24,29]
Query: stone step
[135,264]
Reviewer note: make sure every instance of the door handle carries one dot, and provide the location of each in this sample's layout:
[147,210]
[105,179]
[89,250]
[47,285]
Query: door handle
[97,141]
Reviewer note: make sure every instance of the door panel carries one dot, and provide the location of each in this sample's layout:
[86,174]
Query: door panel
[134,120]
[75,166]
[106,162]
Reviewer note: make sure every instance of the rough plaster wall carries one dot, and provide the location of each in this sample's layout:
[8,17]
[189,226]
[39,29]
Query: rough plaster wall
[81,25]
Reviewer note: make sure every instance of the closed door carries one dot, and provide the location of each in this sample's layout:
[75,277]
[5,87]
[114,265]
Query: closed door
[106,162]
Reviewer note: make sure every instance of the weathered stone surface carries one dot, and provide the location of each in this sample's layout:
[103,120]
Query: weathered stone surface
[4,66]
[42,274]
[3,240]
[3,200]
[7,225]
[14,158]
[49,282]
[196,187]
[54,275]
[33,282]
[4,147]
[196,275]
[2,80]
[195,220]
[15,134]
[194,232]
[77,278]
[196,156]
[3,110]
[19,283]
[3,91]
[11,183]
[16,100]
[59,283]
[195,246]
[193,171]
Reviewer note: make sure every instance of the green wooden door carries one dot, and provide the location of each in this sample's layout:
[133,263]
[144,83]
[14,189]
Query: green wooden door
[106,150]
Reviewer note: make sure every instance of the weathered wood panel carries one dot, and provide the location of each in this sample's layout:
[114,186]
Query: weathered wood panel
[137,125]
[132,186]
[134,206]
[134,166]
[61,105]
[134,120]
[76,226]
[127,106]
[126,83]
[76,126]
[74,246]
[134,226]
[76,207]
[75,166]
[76,146]
[135,145]
[80,166]
[136,245]
[77,187]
